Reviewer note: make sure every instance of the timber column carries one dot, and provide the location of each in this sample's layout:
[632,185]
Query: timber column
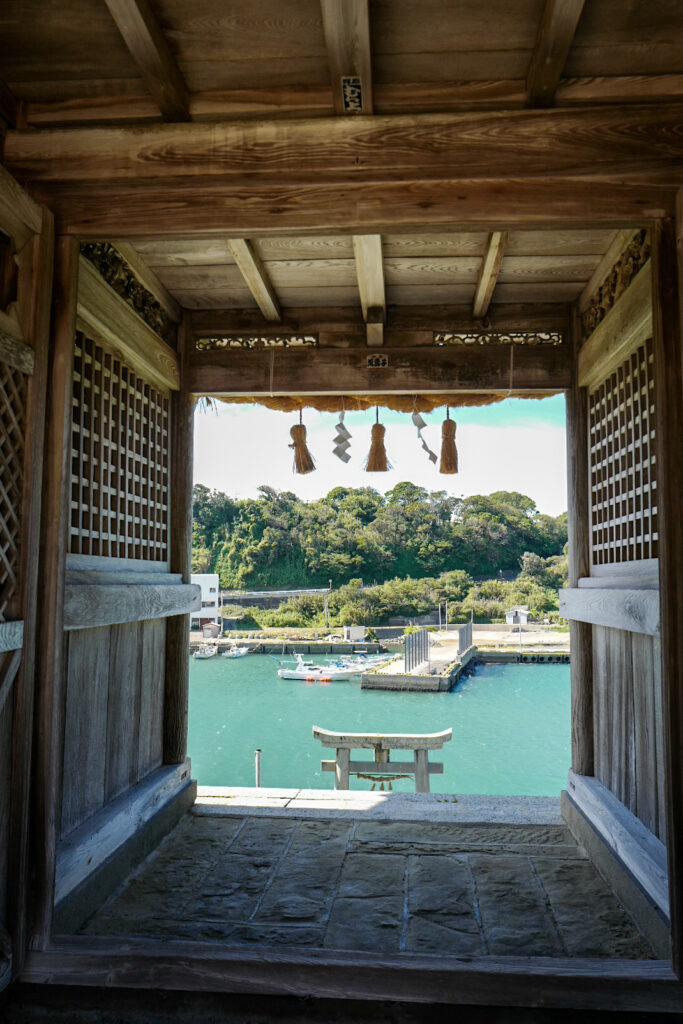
[580,633]
[668,376]
[53,547]
[180,550]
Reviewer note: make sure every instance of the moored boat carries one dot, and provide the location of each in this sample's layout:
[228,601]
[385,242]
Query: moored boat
[235,652]
[204,652]
[311,672]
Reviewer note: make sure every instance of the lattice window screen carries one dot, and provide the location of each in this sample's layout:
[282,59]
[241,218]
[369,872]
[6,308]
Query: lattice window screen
[623,464]
[13,392]
[119,475]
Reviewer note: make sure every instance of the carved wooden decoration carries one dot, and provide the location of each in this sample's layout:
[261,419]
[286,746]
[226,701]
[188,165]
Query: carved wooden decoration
[498,338]
[119,276]
[257,341]
[615,284]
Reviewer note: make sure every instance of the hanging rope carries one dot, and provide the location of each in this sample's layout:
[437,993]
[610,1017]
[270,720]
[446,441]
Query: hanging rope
[303,460]
[449,453]
[377,461]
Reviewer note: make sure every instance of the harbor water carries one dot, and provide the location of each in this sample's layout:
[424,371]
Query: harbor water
[511,727]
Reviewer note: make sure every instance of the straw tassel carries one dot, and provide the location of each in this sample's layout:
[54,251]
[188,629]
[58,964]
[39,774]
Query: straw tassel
[377,461]
[303,460]
[449,453]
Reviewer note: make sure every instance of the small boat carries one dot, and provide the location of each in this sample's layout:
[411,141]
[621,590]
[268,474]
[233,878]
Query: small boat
[310,672]
[205,651]
[235,652]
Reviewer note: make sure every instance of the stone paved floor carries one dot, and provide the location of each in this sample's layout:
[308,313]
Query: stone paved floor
[381,886]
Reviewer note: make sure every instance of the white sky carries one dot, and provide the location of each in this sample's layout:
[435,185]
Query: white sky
[513,446]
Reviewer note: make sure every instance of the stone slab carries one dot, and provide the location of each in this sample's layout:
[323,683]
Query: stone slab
[515,916]
[441,905]
[591,920]
[365,875]
[374,924]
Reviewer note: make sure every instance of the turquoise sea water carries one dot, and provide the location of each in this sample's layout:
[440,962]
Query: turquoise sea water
[511,726]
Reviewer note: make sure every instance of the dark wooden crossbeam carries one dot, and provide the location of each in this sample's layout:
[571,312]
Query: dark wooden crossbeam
[128,211]
[343,326]
[633,143]
[299,371]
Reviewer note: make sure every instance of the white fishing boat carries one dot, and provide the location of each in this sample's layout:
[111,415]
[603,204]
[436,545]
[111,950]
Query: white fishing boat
[235,652]
[204,652]
[311,672]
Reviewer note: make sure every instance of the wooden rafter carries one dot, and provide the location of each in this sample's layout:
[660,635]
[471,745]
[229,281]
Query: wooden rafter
[346,26]
[149,279]
[488,275]
[617,245]
[555,35]
[367,250]
[256,277]
[149,49]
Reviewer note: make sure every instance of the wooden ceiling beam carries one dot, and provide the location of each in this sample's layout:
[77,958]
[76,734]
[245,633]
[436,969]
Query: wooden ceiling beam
[344,325]
[488,274]
[555,36]
[367,251]
[409,370]
[126,212]
[256,277]
[587,142]
[346,25]
[149,49]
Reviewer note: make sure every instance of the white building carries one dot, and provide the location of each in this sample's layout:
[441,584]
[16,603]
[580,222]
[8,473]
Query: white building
[355,633]
[208,581]
[517,616]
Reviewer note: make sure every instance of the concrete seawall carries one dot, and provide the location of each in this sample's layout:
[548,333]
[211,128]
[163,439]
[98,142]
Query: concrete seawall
[415,682]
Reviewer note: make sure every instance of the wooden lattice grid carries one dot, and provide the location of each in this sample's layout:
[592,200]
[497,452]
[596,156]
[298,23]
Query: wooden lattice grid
[119,476]
[13,393]
[623,463]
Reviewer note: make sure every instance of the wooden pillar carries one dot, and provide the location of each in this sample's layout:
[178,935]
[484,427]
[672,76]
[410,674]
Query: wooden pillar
[668,376]
[178,627]
[38,333]
[578,505]
[53,548]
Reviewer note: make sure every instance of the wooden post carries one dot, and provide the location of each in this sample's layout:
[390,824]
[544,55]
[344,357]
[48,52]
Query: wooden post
[178,627]
[580,633]
[341,775]
[421,771]
[53,546]
[668,377]
[42,258]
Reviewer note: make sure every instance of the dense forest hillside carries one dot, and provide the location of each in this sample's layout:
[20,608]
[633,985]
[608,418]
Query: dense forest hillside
[278,541]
